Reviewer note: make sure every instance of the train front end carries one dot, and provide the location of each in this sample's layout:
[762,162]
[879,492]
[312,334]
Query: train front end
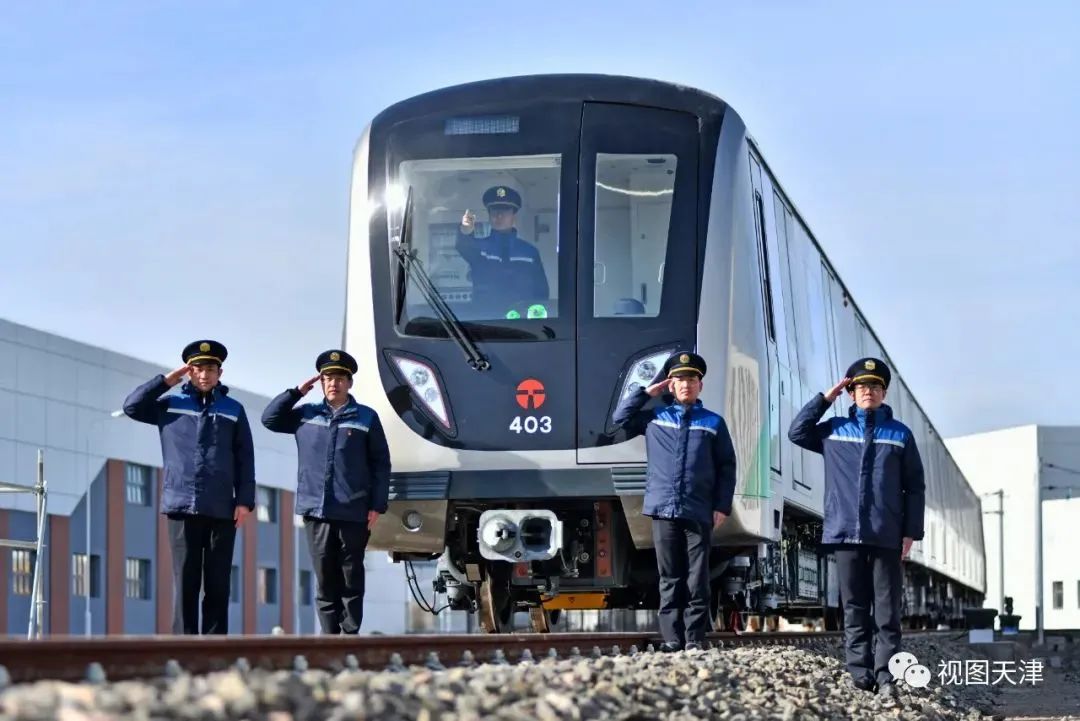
[523,253]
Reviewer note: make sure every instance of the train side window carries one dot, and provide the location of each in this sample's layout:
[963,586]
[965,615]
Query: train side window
[766,274]
[634,195]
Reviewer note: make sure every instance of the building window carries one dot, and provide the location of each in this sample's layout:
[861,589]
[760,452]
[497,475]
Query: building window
[137,578]
[266,504]
[79,575]
[268,585]
[305,588]
[138,484]
[234,585]
[22,571]
[1059,594]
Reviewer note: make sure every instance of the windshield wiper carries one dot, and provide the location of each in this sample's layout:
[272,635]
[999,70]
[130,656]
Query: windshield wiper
[411,267]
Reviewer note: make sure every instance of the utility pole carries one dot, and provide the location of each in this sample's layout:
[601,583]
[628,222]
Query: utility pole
[1000,513]
[1040,637]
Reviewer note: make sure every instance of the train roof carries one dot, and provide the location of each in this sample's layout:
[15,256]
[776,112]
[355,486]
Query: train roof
[560,87]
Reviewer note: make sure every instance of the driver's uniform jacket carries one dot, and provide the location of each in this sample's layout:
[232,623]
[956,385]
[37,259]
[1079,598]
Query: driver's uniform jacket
[505,269]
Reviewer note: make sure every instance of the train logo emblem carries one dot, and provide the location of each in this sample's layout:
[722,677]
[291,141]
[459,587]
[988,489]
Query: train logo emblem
[530,394]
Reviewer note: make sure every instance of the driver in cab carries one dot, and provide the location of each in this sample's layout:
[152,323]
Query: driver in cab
[505,268]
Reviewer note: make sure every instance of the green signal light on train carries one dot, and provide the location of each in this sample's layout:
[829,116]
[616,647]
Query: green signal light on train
[513,315]
[537,310]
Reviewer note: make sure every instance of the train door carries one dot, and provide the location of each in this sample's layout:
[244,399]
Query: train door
[791,388]
[773,305]
[828,285]
[637,258]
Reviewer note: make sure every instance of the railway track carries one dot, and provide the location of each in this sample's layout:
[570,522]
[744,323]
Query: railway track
[127,657]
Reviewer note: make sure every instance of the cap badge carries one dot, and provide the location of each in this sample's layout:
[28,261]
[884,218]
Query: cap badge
[869,365]
[335,356]
[204,347]
[501,192]
[684,358]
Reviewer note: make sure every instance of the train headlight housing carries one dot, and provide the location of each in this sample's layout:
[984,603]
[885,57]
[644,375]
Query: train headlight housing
[643,371]
[425,386]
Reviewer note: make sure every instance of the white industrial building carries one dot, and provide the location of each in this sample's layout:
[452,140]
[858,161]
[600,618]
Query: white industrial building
[1019,462]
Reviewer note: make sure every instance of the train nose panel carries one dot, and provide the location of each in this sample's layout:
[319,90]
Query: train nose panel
[524,402]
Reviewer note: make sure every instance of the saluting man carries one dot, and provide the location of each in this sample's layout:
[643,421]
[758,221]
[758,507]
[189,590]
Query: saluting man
[689,487]
[209,484]
[874,505]
[505,267]
[343,483]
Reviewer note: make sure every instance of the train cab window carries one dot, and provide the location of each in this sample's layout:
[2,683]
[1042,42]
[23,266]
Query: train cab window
[633,218]
[486,231]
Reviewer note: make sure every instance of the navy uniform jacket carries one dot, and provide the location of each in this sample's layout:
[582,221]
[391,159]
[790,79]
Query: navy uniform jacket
[343,467]
[505,269]
[874,486]
[691,458]
[206,447]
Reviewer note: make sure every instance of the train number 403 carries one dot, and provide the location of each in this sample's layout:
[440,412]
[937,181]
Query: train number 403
[531,424]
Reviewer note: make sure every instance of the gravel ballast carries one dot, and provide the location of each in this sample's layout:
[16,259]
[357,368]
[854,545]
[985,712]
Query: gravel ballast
[733,684]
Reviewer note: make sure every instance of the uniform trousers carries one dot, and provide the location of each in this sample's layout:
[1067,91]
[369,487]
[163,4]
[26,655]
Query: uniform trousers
[202,553]
[871,589]
[682,558]
[337,555]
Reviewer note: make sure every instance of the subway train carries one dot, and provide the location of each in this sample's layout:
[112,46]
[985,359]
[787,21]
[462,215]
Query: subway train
[655,225]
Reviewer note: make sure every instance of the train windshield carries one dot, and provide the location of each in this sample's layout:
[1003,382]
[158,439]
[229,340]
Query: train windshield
[485,232]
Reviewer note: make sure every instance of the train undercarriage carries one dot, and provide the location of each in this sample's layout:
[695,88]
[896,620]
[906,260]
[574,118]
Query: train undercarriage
[546,558]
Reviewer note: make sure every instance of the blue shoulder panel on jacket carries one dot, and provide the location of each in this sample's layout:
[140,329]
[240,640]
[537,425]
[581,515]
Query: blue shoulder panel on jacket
[893,433]
[845,430]
[181,402]
[703,420]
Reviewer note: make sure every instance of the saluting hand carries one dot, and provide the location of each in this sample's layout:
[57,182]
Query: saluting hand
[833,393]
[907,547]
[177,375]
[307,385]
[656,389]
[468,222]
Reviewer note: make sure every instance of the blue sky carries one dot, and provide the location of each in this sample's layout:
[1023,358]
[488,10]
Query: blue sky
[176,170]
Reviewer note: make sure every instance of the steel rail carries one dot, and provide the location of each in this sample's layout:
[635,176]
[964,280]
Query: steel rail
[68,658]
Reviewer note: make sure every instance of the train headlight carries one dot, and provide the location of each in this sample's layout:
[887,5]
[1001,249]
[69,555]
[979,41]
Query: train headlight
[646,371]
[643,371]
[425,386]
